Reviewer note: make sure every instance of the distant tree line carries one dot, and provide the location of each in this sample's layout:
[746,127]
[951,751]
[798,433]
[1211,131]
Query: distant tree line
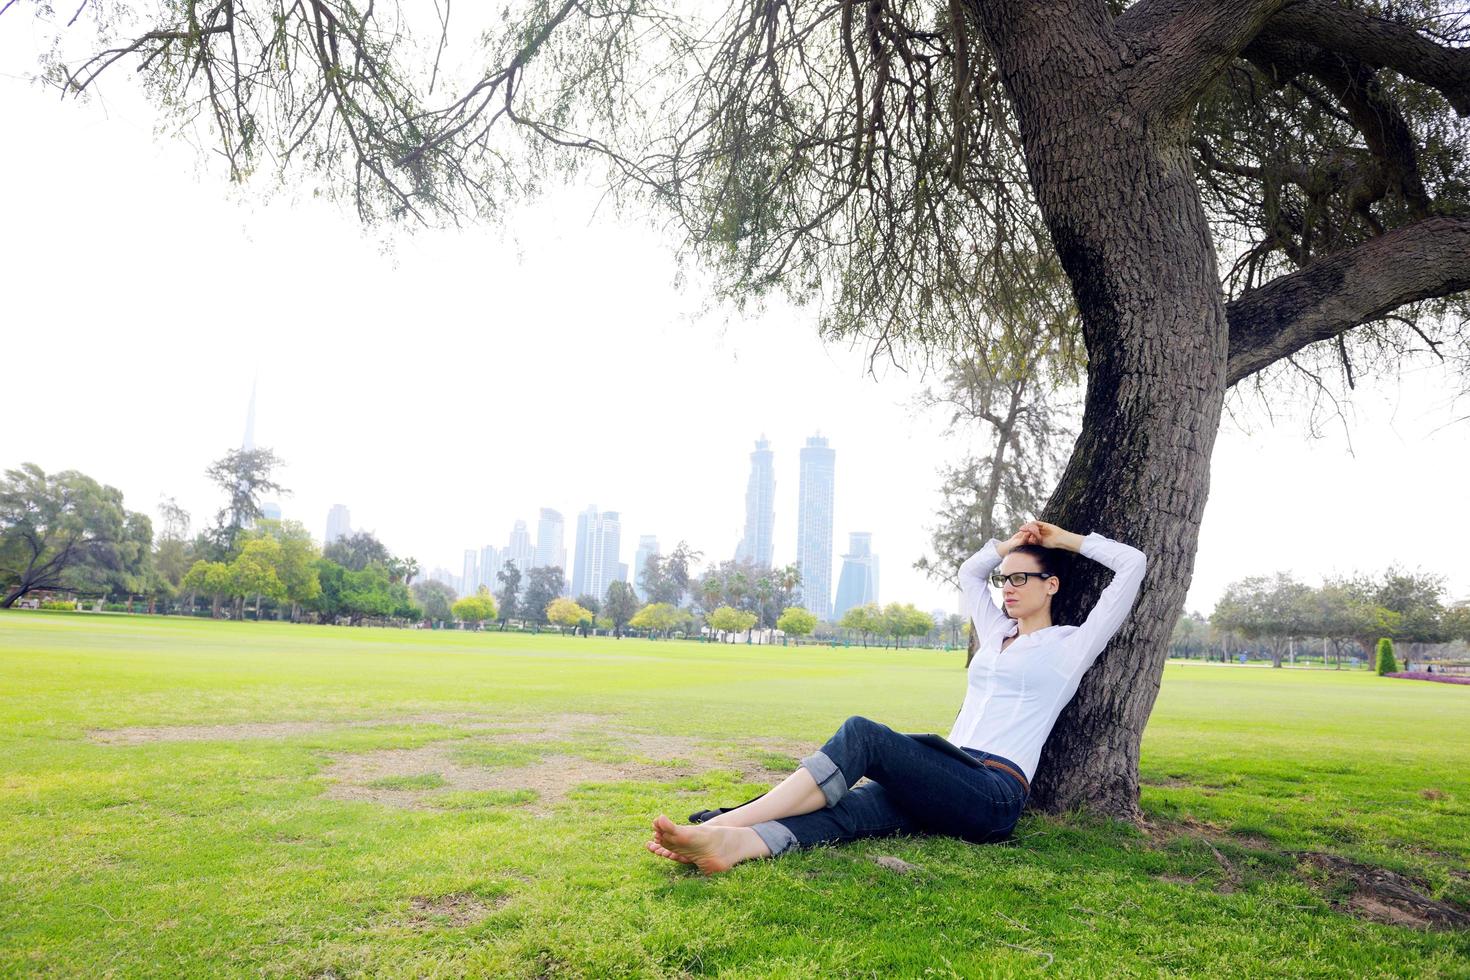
[66,534]
[1346,615]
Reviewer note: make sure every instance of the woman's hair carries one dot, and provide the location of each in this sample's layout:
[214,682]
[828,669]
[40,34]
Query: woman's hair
[1046,558]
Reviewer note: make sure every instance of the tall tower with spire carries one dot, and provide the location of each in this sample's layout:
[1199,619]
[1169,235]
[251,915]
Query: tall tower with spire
[248,443]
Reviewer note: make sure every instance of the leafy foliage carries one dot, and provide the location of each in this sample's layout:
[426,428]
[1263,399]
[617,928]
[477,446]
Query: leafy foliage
[1386,662]
[797,621]
[542,586]
[477,608]
[246,476]
[435,597]
[66,531]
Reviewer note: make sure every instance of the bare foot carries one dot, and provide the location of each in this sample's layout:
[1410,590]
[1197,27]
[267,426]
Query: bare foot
[710,849]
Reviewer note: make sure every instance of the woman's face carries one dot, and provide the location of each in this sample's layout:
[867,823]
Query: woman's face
[1022,601]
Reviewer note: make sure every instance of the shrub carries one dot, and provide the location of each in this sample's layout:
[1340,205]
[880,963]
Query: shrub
[1386,662]
[59,605]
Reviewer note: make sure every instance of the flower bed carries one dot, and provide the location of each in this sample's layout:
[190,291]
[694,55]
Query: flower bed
[1422,675]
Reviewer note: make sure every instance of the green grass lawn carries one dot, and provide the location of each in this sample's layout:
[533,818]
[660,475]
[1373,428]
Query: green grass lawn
[188,798]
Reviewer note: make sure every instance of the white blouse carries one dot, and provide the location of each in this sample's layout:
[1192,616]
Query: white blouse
[1012,698]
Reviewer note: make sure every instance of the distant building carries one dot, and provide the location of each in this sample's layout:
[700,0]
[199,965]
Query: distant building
[760,507]
[339,524]
[491,562]
[270,511]
[596,564]
[550,540]
[470,580]
[519,549]
[647,545]
[814,525]
[858,584]
[444,575]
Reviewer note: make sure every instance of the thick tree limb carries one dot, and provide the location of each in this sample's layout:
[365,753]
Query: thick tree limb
[1183,45]
[1380,43]
[1424,260]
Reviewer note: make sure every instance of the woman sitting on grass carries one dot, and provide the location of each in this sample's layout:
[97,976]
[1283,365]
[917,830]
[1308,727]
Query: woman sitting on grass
[972,786]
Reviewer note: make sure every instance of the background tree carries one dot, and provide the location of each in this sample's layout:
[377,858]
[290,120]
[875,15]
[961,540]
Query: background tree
[1270,610]
[253,573]
[172,553]
[863,620]
[956,629]
[1418,600]
[476,609]
[1386,663]
[402,570]
[1235,190]
[211,578]
[435,597]
[66,531]
[1014,399]
[567,613]
[509,578]
[358,550]
[294,560]
[726,619]
[246,476]
[658,617]
[788,587]
[619,605]
[665,578]
[797,621]
[542,586]
[590,603]
[1457,621]
[1190,636]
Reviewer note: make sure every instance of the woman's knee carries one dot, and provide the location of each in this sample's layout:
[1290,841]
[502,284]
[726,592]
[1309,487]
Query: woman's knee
[857,724]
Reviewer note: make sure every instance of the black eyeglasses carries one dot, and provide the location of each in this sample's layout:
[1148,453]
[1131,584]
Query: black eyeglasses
[1017,579]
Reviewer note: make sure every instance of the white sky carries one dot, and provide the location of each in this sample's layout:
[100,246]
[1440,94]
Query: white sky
[461,380]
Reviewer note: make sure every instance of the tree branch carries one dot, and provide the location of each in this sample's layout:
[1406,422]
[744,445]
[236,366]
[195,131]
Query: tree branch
[1380,43]
[1183,45]
[1424,260]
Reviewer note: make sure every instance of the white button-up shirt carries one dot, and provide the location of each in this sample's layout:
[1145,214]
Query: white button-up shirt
[1013,697]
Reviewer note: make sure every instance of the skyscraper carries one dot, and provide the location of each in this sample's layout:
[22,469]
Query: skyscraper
[858,584]
[270,510]
[519,548]
[760,507]
[595,564]
[248,442]
[647,545]
[491,561]
[470,580]
[339,523]
[550,540]
[814,525]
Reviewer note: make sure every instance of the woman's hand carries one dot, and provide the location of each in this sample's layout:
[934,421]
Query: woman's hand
[1014,541]
[1050,536]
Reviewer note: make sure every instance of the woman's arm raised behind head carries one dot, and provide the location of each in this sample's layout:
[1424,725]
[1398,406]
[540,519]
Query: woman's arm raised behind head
[1128,565]
[981,609]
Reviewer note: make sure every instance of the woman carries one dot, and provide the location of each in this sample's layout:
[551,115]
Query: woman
[974,785]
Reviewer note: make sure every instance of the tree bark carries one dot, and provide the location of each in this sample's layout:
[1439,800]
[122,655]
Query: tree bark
[1116,186]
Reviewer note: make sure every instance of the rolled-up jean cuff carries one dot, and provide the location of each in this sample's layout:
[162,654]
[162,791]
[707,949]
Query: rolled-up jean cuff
[775,835]
[829,778]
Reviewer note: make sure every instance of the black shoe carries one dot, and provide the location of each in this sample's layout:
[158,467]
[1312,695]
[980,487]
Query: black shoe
[703,815]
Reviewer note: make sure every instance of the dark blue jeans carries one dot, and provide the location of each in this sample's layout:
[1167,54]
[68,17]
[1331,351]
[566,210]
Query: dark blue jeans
[912,789]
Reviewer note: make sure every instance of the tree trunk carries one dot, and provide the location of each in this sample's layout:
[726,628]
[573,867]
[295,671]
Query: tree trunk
[1117,190]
